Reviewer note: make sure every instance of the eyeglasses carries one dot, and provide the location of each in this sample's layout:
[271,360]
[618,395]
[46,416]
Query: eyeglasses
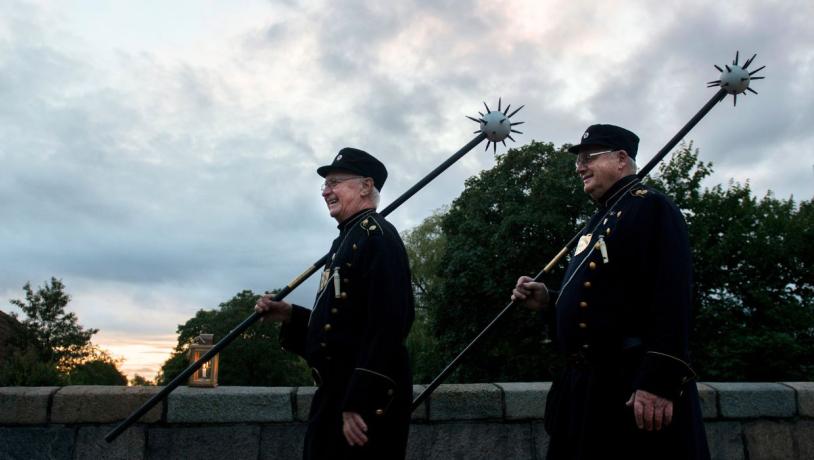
[333,182]
[586,158]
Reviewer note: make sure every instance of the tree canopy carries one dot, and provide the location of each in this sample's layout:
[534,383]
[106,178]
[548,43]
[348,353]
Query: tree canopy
[254,358]
[51,347]
[754,316]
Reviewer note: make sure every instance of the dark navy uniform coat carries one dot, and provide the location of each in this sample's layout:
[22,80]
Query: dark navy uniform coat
[354,341]
[622,319]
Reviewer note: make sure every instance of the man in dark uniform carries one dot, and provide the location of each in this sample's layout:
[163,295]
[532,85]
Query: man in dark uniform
[622,318]
[354,337]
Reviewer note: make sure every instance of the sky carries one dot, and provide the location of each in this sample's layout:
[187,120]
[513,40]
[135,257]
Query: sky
[159,157]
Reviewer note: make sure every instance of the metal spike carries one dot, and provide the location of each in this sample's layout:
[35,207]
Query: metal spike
[749,61]
[750,89]
[487,107]
[498,103]
[501,121]
[719,69]
[714,81]
[518,109]
[494,147]
[481,114]
[727,68]
[487,145]
[507,109]
[473,119]
[518,123]
[735,100]
[516,131]
[735,62]
[476,132]
[710,85]
[510,137]
[757,70]
[504,142]
[757,78]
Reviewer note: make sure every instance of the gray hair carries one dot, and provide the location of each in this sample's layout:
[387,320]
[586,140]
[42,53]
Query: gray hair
[375,196]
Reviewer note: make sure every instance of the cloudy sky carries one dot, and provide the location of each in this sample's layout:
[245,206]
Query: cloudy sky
[159,157]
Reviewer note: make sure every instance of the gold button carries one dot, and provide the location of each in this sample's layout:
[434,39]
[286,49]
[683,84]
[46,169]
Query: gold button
[323,344]
[583,304]
[379,412]
[373,227]
[354,246]
[587,284]
[327,327]
[605,222]
[619,214]
[343,295]
[585,346]
[592,265]
[334,310]
[390,392]
[597,246]
[348,264]
[364,222]
[582,325]
[607,231]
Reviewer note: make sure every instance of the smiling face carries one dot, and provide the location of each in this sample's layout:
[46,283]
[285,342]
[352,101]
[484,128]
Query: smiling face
[346,194]
[600,172]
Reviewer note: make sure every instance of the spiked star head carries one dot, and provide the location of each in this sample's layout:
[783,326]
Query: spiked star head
[497,125]
[735,79]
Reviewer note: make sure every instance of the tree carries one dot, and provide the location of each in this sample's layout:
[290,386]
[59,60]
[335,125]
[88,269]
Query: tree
[509,220]
[60,337]
[97,372]
[139,381]
[254,358]
[753,260]
[425,244]
[52,348]
[754,281]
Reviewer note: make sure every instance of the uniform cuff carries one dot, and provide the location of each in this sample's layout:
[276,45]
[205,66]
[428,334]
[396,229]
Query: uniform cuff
[369,393]
[663,375]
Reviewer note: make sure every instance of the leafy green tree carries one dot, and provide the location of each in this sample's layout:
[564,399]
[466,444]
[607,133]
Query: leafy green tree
[509,221]
[24,367]
[97,372]
[52,348]
[254,358]
[754,276]
[139,381]
[425,246]
[754,310]
[61,338]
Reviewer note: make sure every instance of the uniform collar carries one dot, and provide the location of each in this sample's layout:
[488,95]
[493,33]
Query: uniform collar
[354,218]
[616,188]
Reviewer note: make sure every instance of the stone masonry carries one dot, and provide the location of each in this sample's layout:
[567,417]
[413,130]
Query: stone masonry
[476,421]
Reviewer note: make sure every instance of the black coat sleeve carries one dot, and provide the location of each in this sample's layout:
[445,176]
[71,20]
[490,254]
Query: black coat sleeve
[666,300]
[389,315]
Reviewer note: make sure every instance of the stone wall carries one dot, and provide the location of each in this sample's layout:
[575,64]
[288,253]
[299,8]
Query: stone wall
[477,421]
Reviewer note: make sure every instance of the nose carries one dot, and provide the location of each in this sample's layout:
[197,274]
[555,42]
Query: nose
[580,167]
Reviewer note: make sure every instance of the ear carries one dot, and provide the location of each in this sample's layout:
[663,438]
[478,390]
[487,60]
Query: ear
[367,183]
[622,158]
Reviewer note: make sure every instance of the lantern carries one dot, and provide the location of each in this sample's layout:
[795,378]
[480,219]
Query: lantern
[206,375]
